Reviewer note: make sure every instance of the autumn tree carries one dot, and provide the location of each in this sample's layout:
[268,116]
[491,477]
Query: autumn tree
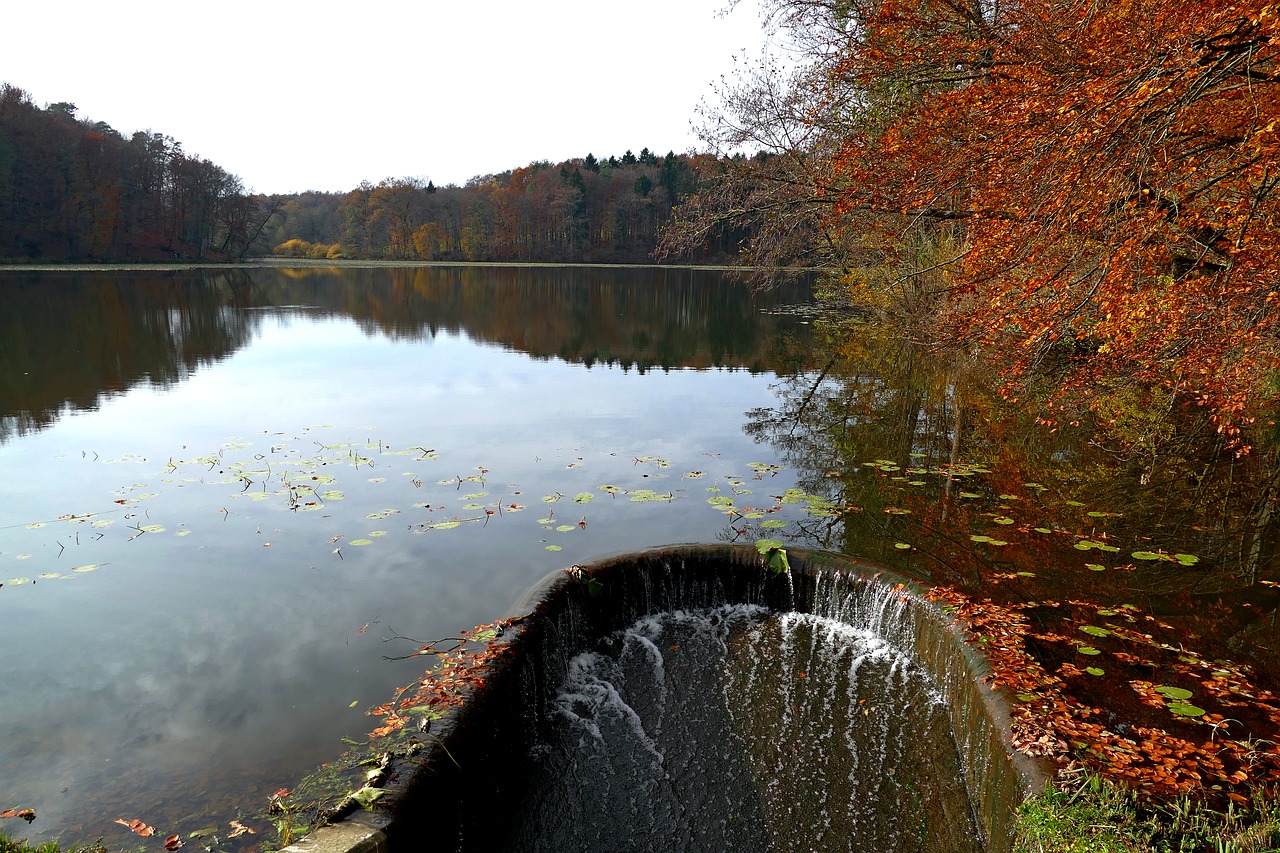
[1100,175]
[76,189]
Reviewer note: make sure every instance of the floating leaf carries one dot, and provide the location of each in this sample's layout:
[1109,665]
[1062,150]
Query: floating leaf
[18,581]
[88,567]
[137,826]
[902,546]
[361,542]
[1042,530]
[554,548]
[566,528]
[1093,670]
[642,495]
[1173,692]
[445,525]
[1095,631]
[1002,519]
[1095,567]
[332,495]
[1186,559]
[583,498]
[1088,650]
[1185,709]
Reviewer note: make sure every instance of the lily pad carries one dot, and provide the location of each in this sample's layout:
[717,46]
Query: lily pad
[1185,709]
[1176,693]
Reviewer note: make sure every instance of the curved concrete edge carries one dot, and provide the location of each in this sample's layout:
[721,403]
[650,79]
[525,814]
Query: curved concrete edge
[980,711]
[361,832]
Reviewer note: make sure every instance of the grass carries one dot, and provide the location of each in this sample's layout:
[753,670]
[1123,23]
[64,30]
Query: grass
[1088,814]
[8,845]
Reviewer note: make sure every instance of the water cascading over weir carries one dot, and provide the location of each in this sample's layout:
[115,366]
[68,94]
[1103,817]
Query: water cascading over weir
[695,700]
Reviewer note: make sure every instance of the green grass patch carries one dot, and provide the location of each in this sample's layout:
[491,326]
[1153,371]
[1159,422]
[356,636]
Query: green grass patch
[1092,815]
[8,845]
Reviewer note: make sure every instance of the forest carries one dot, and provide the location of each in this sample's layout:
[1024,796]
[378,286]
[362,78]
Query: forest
[583,210]
[78,190]
[75,189]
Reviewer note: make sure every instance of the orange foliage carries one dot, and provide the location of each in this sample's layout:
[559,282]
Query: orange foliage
[1111,166]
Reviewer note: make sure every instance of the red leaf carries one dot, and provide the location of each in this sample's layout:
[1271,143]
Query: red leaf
[173,842]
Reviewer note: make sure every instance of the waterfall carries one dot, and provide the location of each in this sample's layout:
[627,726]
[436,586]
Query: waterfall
[700,702]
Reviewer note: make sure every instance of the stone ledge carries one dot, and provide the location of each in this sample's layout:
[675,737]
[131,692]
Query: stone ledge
[362,832]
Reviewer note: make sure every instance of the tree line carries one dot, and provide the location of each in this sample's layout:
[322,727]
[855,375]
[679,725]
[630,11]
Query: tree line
[580,210]
[75,189]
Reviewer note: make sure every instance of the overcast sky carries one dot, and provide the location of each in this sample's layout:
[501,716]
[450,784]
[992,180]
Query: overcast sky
[320,95]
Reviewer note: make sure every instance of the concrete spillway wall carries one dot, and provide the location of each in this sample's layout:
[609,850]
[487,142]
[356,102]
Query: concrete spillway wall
[471,788]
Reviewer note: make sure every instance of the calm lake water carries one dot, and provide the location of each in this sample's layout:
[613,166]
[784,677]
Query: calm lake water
[225,494]
[224,491]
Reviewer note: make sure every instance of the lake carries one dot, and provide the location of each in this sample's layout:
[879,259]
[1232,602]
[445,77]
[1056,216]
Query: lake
[229,496]
[225,492]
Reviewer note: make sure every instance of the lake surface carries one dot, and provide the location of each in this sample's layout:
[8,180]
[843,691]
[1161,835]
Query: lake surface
[224,494]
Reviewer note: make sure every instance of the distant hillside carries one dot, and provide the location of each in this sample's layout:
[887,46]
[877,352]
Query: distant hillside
[581,210]
[72,189]
[79,190]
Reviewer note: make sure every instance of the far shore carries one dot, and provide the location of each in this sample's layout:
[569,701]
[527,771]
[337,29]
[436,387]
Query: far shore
[322,263]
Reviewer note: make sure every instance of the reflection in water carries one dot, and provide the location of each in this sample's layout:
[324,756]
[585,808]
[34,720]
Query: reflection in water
[1139,546]
[214,481]
[74,338]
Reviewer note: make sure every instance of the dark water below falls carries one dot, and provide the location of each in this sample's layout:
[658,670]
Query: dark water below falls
[735,728]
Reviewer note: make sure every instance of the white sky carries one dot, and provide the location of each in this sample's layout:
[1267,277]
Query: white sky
[320,95]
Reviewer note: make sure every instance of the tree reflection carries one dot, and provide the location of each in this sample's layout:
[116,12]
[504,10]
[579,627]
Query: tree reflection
[73,339]
[923,456]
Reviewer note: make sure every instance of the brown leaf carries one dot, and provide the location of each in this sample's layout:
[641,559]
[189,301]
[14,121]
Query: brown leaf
[173,842]
[138,827]
[238,829]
